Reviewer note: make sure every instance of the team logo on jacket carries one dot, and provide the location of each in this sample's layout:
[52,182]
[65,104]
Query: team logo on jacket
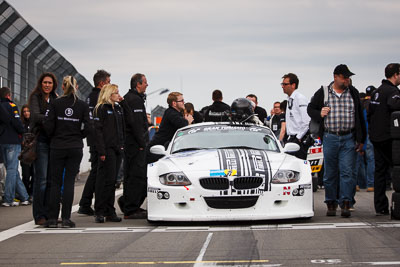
[376,96]
[69,112]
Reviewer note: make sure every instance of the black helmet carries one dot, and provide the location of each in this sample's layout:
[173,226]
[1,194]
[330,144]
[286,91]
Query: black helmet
[241,109]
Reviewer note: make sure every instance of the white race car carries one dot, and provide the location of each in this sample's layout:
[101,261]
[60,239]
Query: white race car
[226,172]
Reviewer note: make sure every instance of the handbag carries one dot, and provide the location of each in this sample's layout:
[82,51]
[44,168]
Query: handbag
[28,151]
[315,127]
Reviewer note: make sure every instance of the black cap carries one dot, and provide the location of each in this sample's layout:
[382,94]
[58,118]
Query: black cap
[369,90]
[343,69]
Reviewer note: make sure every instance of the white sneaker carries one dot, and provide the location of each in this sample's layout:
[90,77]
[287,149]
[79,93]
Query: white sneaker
[25,203]
[5,204]
[14,204]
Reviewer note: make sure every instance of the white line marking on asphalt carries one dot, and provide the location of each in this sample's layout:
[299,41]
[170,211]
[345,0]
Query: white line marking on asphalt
[380,263]
[203,250]
[163,229]
[30,226]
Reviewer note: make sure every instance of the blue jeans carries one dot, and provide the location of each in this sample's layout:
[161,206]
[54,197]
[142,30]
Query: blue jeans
[339,162]
[13,183]
[370,170]
[40,181]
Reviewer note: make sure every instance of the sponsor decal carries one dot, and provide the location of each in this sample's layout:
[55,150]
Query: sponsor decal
[305,162]
[153,189]
[217,173]
[316,168]
[286,190]
[69,112]
[138,110]
[247,162]
[67,119]
[223,173]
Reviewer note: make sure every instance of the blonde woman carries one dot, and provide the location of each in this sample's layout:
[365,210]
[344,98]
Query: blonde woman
[64,121]
[110,137]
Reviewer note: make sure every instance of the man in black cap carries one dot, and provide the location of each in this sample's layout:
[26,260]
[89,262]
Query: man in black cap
[384,101]
[344,132]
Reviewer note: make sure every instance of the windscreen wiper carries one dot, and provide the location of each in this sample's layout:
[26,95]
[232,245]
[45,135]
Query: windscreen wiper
[187,149]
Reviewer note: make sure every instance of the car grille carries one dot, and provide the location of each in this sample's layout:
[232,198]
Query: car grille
[222,183]
[247,182]
[215,183]
[241,202]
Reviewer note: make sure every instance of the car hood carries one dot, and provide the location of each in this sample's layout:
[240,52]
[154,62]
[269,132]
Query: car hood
[241,160]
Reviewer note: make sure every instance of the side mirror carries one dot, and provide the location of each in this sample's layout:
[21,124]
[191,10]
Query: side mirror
[158,150]
[291,148]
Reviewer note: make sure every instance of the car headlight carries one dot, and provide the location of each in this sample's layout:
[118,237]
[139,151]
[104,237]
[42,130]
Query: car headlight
[174,178]
[285,176]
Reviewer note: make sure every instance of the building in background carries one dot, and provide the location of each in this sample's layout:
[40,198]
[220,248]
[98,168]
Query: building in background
[25,55]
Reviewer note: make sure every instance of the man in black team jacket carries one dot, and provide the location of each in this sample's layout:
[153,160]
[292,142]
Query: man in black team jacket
[218,111]
[135,167]
[172,120]
[384,101]
[100,78]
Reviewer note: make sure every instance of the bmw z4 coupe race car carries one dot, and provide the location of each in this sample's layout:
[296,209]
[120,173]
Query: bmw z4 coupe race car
[228,171]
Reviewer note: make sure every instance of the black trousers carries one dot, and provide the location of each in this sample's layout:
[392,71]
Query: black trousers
[28,176]
[135,180]
[383,162]
[60,160]
[90,185]
[302,153]
[105,182]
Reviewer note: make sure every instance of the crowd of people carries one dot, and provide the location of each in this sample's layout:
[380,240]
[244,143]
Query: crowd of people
[116,129]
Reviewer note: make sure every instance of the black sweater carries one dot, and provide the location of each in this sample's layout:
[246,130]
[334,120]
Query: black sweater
[67,122]
[172,120]
[217,112]
[384,101]
[317,103]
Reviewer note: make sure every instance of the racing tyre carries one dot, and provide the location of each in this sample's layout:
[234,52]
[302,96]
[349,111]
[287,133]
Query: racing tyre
[395,125]
[396,178]
[395,208]
[396,152]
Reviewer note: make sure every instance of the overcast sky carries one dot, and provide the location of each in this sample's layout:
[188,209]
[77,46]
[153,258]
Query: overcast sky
[239,47]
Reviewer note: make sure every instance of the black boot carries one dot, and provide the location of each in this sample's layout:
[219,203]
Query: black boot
[346,209]
[331,208]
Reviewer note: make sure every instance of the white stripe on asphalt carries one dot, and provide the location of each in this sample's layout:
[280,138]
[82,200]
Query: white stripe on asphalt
[380,263]
[29,226]
[182,229]
[203,251]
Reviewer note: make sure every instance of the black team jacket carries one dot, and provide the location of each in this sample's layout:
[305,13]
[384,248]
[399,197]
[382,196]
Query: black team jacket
[67,122]
[91,100]
[384,100]
[136,118]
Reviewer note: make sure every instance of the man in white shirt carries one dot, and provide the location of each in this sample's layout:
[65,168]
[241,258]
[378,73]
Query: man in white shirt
[297,119]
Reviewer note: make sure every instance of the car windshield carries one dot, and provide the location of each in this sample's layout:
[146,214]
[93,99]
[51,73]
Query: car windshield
[224,136]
